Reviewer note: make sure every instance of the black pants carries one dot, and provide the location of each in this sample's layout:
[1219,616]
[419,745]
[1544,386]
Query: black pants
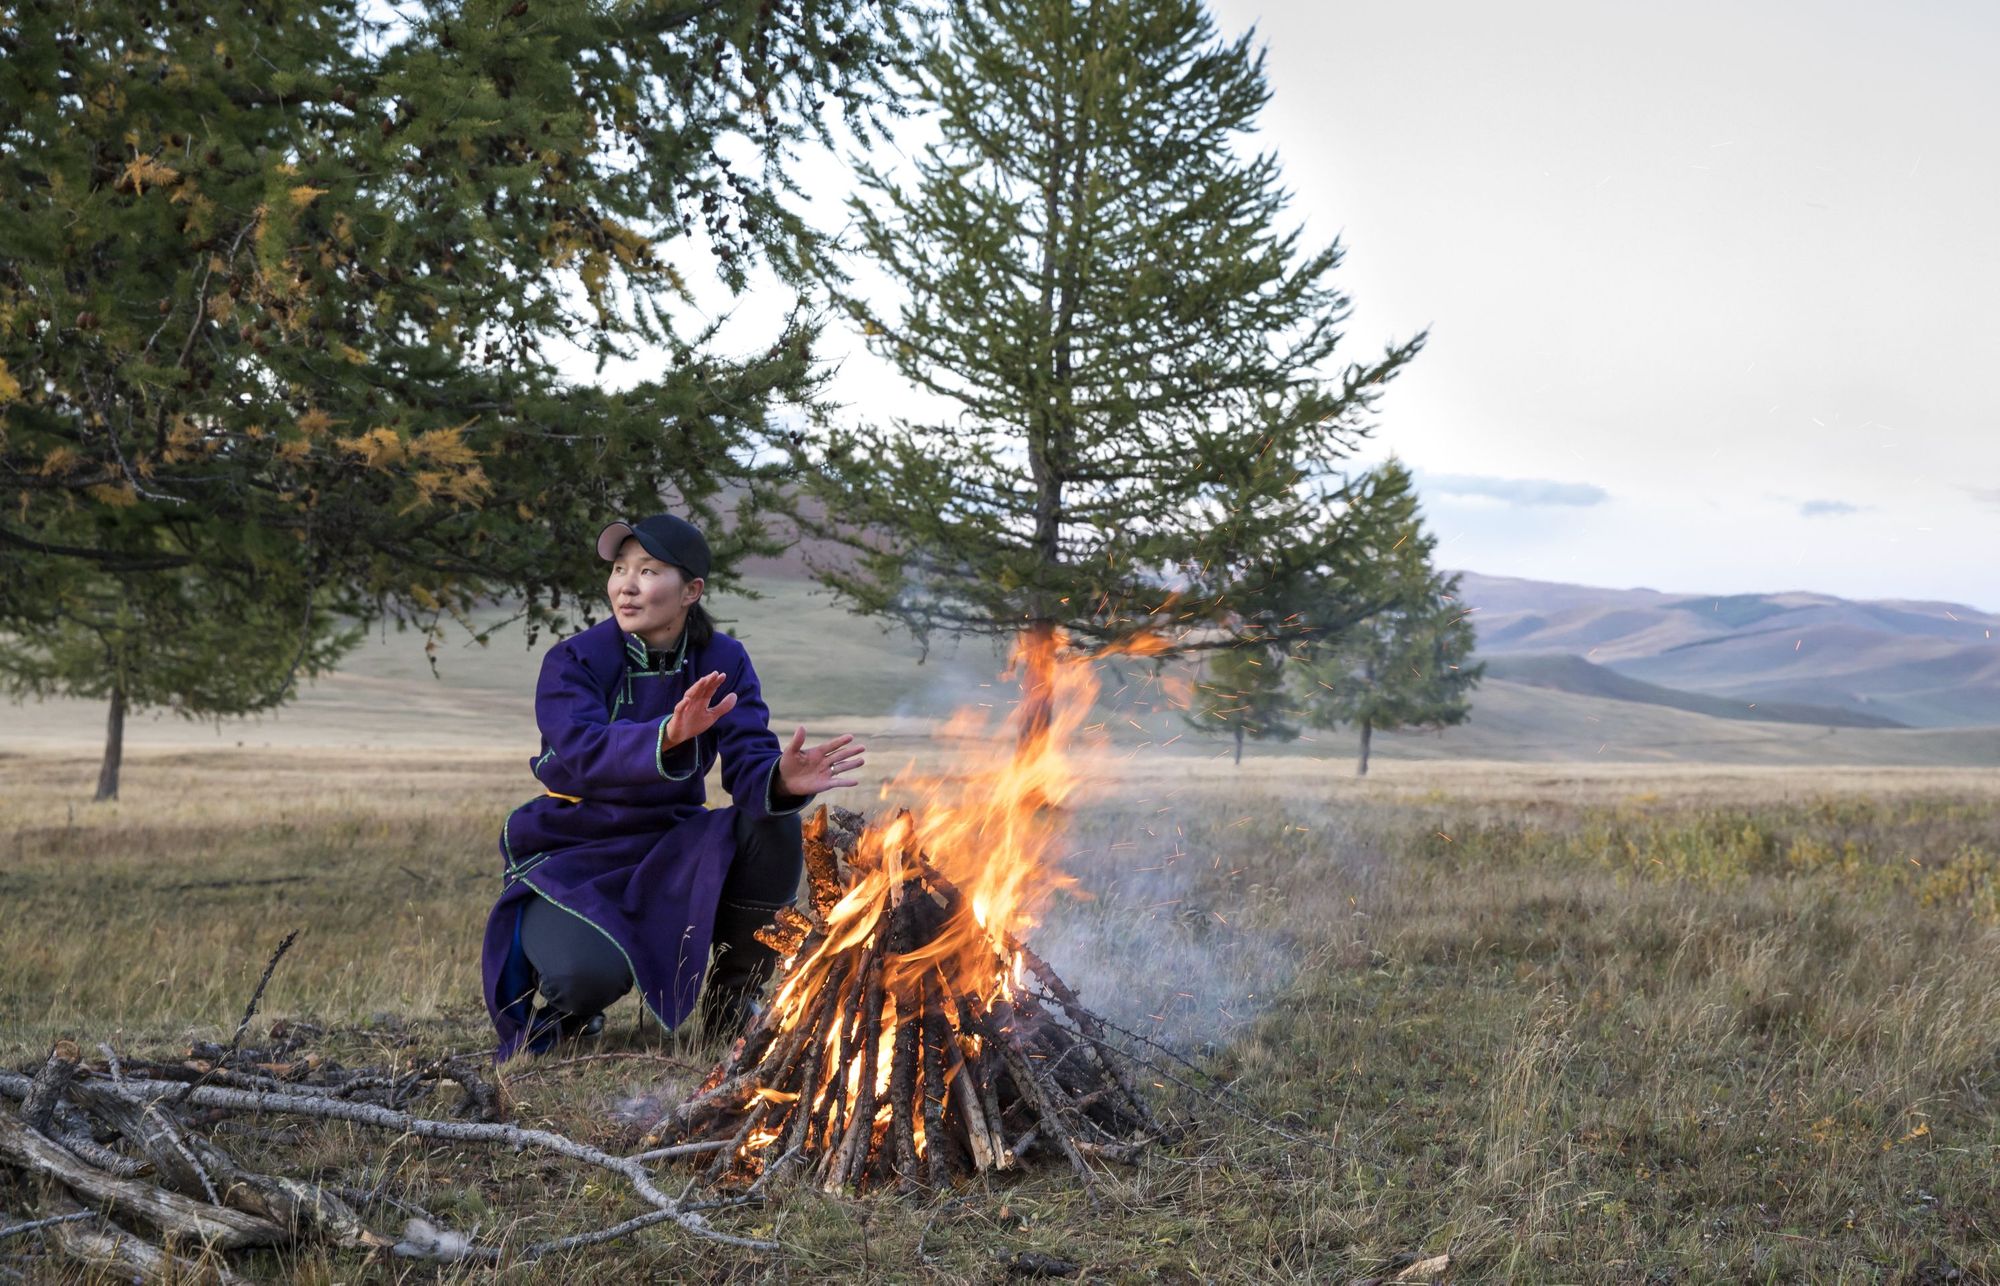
[582,972]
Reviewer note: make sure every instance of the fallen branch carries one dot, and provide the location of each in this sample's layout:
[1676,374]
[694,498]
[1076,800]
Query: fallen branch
[35,1225]
[38,1109]
[250,1010]
[246,1208]
[324,1108]
[112,1246]
[171,1212]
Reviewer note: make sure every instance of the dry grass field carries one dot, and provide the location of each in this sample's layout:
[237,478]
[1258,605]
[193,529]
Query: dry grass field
[1567,1022]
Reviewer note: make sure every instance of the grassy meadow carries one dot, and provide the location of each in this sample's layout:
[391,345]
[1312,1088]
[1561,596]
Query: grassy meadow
[1566,1023]
[1583,991]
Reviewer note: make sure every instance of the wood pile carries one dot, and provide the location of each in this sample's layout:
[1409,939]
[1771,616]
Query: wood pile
[122,1162]
[905,1046]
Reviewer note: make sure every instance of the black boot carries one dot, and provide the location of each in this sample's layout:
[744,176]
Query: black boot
[549,1026]
[741,967]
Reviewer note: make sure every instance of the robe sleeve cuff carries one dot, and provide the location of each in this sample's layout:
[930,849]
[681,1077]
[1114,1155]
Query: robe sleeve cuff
[680,762]
[776,802]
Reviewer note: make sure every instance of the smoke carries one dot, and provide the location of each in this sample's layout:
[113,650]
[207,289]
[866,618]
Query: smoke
[1158,944]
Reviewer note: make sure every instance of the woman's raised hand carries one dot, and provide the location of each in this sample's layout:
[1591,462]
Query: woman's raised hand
[803,771]
[693,715]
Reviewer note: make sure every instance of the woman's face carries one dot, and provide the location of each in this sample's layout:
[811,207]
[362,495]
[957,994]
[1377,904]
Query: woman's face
[651,598]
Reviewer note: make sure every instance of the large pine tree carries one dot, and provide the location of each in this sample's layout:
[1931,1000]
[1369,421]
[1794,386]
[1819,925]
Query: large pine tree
[1133,360]
[279,285]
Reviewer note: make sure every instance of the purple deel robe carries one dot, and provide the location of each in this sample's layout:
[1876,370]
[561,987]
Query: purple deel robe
[621,838]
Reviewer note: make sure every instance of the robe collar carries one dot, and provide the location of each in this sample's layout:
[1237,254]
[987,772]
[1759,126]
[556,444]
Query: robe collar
[638,657]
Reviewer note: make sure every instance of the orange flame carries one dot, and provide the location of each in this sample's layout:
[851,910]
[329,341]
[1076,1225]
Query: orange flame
[988,827]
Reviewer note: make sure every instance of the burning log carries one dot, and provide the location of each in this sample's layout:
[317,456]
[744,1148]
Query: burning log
[901,1045]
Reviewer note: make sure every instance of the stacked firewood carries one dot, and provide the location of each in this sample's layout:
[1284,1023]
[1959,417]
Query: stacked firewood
[892,1054]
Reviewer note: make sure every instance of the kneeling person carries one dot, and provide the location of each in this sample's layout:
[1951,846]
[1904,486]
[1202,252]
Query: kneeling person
[618,875]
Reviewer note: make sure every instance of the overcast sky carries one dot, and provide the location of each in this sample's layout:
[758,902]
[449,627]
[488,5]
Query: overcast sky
[1713,290]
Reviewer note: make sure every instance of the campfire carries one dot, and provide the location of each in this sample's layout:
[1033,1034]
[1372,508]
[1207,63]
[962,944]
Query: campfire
[913,1036]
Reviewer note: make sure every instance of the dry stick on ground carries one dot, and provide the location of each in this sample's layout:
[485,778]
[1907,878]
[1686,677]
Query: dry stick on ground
[249,1010]
[321,1107]
[142,1096]
[751,1195]
[33,1225]
[84,1145]
[187,1162]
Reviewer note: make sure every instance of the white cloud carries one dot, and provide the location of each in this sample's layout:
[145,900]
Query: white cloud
[1515,491]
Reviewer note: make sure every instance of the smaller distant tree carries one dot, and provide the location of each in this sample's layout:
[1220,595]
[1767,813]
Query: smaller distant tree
[1408,664]
[202,646]
[1245,693]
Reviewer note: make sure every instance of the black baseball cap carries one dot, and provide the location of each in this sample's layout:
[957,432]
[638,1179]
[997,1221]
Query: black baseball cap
[665,537]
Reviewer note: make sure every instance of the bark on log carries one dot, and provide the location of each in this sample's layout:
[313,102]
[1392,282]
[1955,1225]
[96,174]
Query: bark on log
[902,1093]
[830,834]
[938,1145]
[38,1109]
[323,1108]
[977,1133]
[171,1212]
[852,1153]
[106,1244]
[147,1126]
[1093,1031]
[787,932]
[1037,1093]
[803,1111]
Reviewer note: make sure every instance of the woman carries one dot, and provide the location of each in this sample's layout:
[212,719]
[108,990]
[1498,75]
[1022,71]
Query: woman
[617,875]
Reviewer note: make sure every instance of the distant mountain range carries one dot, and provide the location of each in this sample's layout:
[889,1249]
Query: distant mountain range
[1789,657]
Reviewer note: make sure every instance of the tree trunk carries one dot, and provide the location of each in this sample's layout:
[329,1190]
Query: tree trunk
[114,747]
[1037,659]
[1367,731]
[1239,745]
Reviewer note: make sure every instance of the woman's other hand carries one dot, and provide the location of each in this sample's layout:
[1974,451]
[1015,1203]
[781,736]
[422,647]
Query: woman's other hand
[693,715]
[803,771]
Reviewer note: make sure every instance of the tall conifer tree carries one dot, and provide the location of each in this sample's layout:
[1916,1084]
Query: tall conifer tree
[1133,359]
[278,285]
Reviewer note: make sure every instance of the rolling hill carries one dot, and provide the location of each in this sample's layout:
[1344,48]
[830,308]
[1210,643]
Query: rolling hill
[1567,673]
[1923,664]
